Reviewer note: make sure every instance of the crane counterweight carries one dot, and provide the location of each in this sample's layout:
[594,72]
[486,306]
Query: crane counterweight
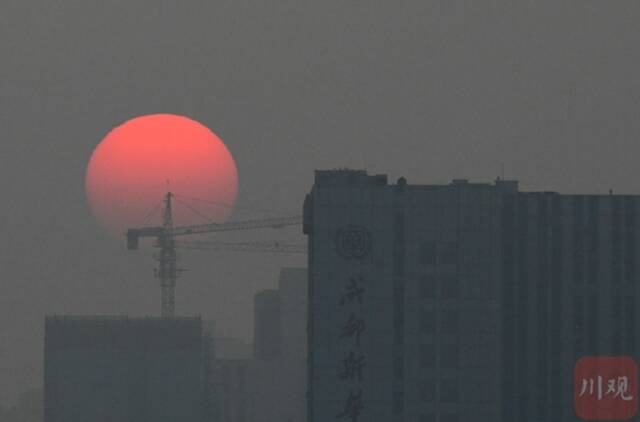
[133,239]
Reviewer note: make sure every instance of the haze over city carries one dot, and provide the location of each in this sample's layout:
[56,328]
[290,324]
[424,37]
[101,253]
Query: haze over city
[542,92]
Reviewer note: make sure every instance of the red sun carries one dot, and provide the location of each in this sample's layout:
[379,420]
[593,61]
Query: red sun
[132,168]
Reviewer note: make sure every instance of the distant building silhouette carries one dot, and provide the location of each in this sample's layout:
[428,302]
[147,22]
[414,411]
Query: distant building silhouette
[125,369]
[231,380]
[278,371]
[293,290]
[462,302]
[232,348]
[280,329]
[270,383]
[267,340]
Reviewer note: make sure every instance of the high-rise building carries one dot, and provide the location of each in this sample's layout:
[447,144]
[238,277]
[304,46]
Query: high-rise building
[463,302]
[125,369]
[279,379]
[568,290]
[267,338]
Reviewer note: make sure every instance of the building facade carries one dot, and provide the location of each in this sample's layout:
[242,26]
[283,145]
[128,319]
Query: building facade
[125,369]
[461,302]
[568,291]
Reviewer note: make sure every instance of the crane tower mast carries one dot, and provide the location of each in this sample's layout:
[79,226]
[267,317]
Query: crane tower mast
[167,271]
[167,259]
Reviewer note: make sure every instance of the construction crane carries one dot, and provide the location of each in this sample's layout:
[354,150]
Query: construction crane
[165,241]
[242,246]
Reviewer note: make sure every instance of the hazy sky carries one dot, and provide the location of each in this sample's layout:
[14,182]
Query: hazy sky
[430,90]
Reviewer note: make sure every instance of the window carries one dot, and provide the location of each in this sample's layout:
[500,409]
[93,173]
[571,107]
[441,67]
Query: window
[398,260]
[428,253]
[449,288]
[398,311]
[427,287]
[448,417]
[629,314]
[225,375]
[398,368]
[449,321]
[398,294]
[449,252]
[449,391]
[398,248]
[578,322]
[449,356]
[398,402]
[427,321]
[241,377]
[427,357]
[427,391]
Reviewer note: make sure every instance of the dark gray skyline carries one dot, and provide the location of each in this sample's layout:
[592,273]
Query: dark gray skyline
[430,90]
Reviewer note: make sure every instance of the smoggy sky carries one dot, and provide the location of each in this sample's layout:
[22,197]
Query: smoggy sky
[430,90]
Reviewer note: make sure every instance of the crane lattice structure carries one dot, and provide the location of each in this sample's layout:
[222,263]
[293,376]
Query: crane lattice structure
[165,241]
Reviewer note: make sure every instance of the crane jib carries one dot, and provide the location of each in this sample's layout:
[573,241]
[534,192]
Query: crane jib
[165,234]
[134,234]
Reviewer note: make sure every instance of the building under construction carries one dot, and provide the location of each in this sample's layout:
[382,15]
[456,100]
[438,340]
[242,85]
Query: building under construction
[105,369]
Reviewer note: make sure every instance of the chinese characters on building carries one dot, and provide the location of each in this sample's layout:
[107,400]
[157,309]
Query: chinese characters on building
[355,361]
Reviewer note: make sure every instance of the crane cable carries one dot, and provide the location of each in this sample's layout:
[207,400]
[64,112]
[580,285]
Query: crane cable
[195,211]
[150,214]
[224,204]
